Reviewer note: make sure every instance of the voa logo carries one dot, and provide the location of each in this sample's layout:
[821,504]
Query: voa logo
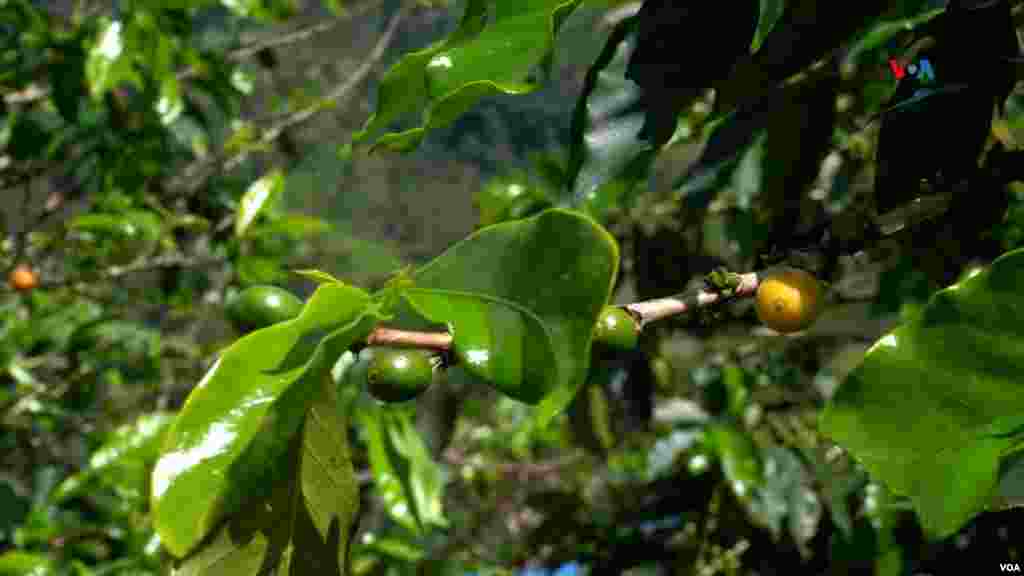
[1014,567]
[922,70]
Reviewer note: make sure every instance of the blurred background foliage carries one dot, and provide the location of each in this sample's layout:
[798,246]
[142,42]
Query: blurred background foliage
[144,198]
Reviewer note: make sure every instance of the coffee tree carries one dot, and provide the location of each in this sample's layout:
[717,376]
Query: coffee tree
[494,405]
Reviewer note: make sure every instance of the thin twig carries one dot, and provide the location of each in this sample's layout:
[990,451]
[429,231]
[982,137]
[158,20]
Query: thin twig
[23,232]
[285,39]
[145,265]
[338,93]
[645,312]
[657,309]
[196,174]
[34,93]
[440,341]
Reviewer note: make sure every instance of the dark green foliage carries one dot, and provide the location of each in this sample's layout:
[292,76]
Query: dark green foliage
[935,131]
[675,59]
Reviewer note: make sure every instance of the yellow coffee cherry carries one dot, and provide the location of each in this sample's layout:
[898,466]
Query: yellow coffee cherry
[789,300]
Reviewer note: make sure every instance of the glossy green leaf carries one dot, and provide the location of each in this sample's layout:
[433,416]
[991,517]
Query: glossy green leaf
[402,88]
[473,62]
[109,61]
[607,158]
[522,299]
[303,526]
[258,197]
[920,411]
[17,563]
[240,417]
[409,481]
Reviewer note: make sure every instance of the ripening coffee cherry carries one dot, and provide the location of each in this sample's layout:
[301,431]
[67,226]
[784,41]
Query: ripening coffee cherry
[399,374]
[789,300]
[260,306]
[22,278]
[616,328]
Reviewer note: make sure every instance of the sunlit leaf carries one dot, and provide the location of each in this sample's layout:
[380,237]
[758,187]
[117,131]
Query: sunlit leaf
[257,198]
[303,525]
[241,416]
[475,61]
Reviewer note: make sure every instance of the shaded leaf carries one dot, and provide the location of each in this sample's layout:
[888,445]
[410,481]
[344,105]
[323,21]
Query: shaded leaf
[807,30]
[607,156]
[676,60]
[1010,491]
[68,79]
[13,509]
[799,135]
[408,479]
[729,139]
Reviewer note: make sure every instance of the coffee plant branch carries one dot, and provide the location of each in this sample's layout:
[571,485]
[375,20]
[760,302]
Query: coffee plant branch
[195,175]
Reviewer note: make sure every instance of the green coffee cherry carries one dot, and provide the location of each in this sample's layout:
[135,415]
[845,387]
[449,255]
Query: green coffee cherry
[399,375]
[616,328]
[260,306]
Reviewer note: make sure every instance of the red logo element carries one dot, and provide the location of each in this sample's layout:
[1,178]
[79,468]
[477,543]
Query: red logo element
[922,70]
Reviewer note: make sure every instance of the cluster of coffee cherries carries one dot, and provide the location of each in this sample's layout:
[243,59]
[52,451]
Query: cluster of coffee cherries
[392,374]
[786,301]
